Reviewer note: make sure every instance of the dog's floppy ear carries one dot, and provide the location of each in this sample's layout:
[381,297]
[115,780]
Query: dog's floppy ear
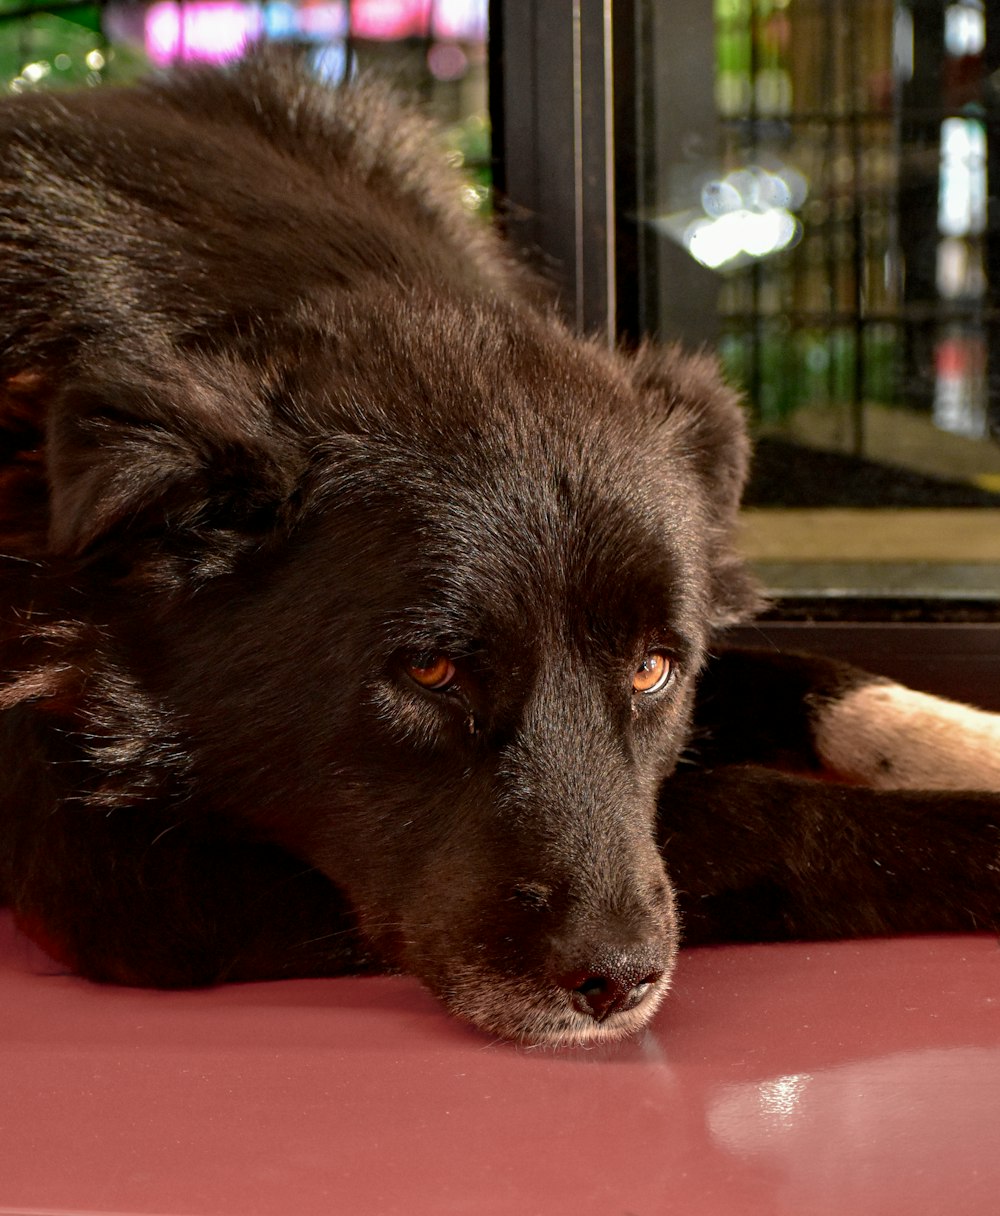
[181,449]
[708,421]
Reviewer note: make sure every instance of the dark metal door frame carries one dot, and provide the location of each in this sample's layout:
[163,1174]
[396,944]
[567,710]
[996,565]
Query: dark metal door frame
[553,68]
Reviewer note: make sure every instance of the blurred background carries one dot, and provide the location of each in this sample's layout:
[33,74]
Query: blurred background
[823,216]
[433,49]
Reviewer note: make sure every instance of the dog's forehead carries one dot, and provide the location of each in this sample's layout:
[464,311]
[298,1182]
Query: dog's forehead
[508,537]
[515,475]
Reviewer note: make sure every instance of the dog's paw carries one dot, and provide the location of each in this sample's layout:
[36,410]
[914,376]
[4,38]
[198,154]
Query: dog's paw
[891,737]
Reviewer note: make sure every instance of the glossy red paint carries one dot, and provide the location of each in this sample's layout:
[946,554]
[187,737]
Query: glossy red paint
[834,1079]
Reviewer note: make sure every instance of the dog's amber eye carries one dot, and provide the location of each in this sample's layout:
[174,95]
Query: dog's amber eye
[652,673]
[434,672]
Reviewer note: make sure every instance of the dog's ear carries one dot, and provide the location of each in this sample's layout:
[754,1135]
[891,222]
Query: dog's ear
[182,450]
[707,419]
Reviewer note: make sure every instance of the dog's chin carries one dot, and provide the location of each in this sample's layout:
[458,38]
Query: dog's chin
[535,1015]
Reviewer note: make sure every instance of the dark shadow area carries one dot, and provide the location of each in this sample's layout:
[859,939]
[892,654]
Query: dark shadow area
[787,474]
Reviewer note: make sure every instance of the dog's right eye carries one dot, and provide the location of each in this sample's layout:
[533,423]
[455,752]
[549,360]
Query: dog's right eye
[434,672]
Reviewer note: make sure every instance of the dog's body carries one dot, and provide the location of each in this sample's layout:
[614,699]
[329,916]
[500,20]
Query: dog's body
[357,612]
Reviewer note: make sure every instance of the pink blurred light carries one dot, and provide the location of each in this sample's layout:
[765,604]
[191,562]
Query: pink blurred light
[208,30]
[322,19]
[447,61]
[461,20]
[385,19]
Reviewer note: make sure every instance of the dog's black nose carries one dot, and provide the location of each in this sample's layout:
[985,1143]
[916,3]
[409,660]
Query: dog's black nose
[603,991]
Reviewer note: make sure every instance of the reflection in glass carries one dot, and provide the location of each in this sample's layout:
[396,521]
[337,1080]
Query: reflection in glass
[815,204]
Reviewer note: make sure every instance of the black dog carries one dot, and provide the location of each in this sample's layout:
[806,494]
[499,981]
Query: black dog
[357,613]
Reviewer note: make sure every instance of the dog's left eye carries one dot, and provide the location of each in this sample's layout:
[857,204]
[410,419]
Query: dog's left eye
[434,672]
[653,673]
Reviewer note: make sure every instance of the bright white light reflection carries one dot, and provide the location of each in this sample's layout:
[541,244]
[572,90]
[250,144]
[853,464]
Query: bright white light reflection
[728,238]
[744,216]
[779,1099]
[962,189]
[34,72]
[748,1114]
[964,29]
[916,1130]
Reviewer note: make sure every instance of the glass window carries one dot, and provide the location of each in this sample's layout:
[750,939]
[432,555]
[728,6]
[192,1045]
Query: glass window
[814,201]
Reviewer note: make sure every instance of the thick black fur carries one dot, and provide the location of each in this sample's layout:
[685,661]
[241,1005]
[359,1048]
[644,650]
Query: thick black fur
[283,423]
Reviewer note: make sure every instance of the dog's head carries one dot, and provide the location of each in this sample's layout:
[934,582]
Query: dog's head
[428,592]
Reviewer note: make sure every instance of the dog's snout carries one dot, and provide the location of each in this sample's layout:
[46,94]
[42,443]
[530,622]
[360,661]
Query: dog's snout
[603,990]
[612,953]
